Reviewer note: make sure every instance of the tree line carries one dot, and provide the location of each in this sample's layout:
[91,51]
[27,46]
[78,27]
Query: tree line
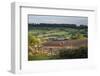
[58,25]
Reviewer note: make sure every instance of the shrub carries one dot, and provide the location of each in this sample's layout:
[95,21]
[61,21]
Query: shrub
[81,52]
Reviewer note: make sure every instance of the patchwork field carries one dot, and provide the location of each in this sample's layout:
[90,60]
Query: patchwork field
[57,41]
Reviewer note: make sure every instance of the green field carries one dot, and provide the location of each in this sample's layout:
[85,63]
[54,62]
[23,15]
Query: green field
[68,33]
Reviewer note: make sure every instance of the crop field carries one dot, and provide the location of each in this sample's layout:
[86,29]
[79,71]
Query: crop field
[57,41]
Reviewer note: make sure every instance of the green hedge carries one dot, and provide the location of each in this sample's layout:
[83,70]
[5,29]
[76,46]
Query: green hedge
[82,52]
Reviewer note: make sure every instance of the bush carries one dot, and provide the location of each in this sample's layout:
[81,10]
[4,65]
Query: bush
[81,52]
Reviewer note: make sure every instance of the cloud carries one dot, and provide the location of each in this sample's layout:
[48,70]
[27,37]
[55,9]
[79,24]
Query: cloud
[58,19]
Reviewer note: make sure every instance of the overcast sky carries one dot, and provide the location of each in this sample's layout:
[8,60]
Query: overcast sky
[58,19]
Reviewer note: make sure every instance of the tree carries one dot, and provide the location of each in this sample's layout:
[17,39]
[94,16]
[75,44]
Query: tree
[34,41]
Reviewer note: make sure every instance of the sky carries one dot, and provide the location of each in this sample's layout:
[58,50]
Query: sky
[58,19]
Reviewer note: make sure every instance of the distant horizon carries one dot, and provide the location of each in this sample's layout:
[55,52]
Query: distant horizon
[40,19]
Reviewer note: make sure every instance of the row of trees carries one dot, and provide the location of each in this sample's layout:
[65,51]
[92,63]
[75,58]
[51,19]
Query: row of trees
[58,25]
